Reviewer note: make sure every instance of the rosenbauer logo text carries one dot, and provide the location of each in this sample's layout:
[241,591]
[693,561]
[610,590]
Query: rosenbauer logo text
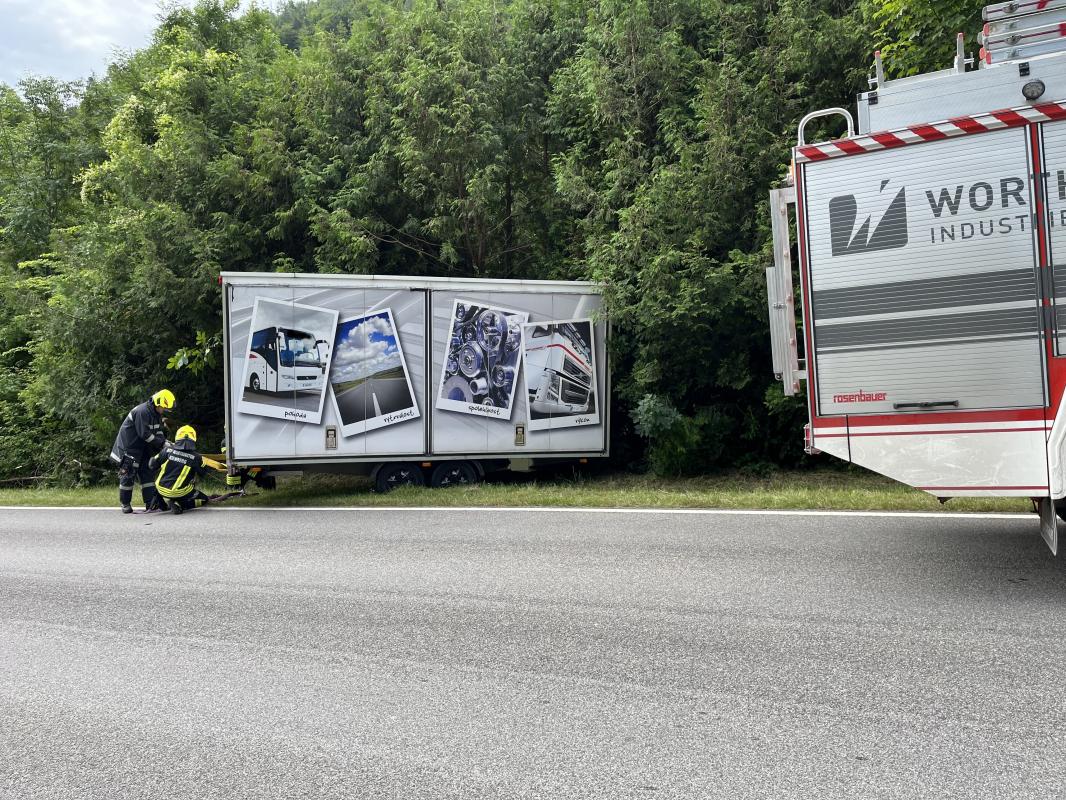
[860,397]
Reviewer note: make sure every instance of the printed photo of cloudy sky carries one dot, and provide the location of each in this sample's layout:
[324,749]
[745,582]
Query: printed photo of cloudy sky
[369,376]
[365,347]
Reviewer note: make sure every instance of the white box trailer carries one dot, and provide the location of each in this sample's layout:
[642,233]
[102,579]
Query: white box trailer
[412,380]
[932,266]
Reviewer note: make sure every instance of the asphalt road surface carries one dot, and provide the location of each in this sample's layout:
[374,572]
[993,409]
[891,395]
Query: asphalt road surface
[357,403]
[522,654]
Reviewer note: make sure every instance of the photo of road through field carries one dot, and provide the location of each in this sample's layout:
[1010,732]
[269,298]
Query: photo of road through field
[302,401]
[371,387]
[379,395]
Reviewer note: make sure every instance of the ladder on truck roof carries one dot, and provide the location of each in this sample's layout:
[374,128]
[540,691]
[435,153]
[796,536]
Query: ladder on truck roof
[1016,31]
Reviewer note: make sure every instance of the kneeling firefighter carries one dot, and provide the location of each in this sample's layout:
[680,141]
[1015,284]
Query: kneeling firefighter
[179,466]
[140,436]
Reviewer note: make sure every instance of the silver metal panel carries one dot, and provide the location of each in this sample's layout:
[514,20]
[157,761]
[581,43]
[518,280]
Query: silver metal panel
[923,277]
[455,433]
[1006,286]
[951,94]
[403,282]
[989,374]
[780,296]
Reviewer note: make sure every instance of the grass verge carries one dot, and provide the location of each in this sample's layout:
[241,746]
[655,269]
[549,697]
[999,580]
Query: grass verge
[826,490]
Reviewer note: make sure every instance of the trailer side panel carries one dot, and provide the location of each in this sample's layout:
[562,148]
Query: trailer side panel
[337,369]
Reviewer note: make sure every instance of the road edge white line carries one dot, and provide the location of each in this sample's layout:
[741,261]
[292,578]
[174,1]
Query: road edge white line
[578,510]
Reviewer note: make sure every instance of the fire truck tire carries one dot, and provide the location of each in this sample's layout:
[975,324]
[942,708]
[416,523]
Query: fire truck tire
[453,473]
[253,383]
[396,474]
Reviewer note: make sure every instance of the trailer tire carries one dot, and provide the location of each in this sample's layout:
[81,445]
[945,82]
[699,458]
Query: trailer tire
[253,382]
[453,473]
[398,473]
[268,483]
[1060,508]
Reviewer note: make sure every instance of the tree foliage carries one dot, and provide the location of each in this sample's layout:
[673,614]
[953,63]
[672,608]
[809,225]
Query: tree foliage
[627,142]
[919,35]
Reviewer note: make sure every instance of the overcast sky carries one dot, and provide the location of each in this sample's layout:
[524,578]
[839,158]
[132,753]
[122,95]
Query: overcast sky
[71,39]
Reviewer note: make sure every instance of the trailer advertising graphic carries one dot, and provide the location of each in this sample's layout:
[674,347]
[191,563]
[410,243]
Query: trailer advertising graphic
[288,357]
[481,360]
[560,374]
[370,385]
[396,369]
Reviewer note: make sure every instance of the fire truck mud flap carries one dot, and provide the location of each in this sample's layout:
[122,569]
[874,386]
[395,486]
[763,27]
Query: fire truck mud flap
[1049,524]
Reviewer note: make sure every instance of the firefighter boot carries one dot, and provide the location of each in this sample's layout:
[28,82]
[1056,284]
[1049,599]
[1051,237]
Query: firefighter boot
[125,499]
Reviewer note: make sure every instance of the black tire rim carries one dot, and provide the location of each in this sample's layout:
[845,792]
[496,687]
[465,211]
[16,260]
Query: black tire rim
[458,475]
[400,477]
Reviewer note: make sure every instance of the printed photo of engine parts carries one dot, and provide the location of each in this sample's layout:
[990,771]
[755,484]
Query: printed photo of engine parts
[482,360]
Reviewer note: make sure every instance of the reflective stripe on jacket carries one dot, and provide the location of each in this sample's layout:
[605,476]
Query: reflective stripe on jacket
[179,465]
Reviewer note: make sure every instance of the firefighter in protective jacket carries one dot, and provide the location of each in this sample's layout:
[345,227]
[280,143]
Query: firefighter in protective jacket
[179,465]
[140,436]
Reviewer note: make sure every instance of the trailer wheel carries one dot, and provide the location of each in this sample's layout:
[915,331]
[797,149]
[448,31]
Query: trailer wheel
[1060,509]
[400,473]
[453,473]
[253,383]
[268,483]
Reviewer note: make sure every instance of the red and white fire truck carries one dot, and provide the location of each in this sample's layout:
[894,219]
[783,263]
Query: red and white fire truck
[931,243]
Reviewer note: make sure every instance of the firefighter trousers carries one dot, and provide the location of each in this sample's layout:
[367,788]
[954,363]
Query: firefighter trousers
[131,472]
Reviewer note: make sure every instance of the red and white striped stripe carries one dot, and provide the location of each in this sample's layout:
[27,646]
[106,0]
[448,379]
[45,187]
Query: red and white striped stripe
[958,126]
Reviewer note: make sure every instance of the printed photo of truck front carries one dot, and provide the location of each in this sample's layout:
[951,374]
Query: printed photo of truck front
[560,377]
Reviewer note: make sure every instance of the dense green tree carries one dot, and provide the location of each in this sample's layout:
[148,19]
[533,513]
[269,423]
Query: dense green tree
[185,188]
[681,115]
[919,35]
[627,142]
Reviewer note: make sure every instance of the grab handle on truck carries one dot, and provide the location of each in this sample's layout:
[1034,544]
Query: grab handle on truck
[925,405]
[825,112]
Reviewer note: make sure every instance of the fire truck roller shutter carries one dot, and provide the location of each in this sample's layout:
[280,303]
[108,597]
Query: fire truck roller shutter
[923,277]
